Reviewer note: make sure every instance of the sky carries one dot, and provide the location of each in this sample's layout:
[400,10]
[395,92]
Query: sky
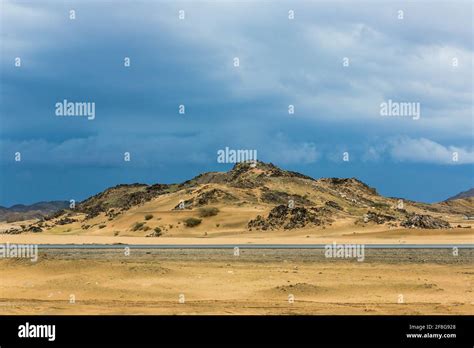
[335,62]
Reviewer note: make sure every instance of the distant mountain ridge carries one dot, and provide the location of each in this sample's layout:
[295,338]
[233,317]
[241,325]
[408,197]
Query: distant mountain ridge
[20,212]
[464,194]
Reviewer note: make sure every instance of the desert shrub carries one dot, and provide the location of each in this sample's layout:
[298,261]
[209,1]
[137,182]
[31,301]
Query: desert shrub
[137,226]
[146,228]
[148,216]
[116,233]
[102,226]
[208,211]
[380,205]
[157,232]
[192,222]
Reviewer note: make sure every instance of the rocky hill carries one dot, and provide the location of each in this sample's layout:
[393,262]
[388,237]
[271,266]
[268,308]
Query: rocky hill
[250,197]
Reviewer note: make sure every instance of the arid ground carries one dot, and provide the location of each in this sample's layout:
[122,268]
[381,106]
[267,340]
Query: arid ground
[341,232]
[250,204]
[259,281]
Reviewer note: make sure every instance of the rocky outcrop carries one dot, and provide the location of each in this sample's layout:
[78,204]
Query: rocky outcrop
[279,197]
[424,221]
[65,221]
[207,197]
[287,218]
[332,204]
[121,197]
[378,218]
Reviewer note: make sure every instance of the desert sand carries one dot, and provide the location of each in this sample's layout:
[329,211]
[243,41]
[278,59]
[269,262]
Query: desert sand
[345,234]
[255,282]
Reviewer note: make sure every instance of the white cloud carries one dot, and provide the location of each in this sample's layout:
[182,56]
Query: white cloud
[107,151]
[423,150]
[283,151]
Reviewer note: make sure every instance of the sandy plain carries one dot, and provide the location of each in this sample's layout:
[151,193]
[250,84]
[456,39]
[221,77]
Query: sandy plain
[409,281]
